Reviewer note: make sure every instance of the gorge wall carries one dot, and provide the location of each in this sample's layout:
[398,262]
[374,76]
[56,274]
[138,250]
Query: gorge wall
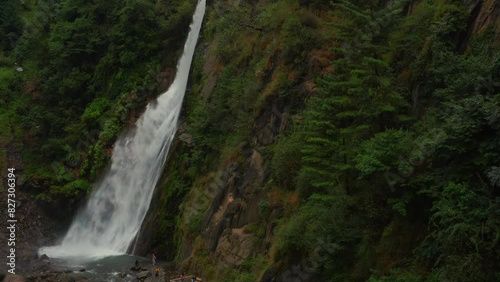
[221,201]
[279,172]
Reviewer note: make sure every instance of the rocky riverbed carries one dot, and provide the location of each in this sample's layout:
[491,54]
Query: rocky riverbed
[119,268]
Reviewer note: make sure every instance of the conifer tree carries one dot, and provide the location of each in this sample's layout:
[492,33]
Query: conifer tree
[352,103]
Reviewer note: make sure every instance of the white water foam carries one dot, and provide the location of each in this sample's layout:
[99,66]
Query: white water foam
[114,213]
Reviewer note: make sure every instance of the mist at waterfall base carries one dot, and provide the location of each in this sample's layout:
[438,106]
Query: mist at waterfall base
[110,221]
[110,268]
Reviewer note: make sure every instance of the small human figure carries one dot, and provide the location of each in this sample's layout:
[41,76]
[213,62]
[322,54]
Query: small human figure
[137,263]
[182,277]
[193,279]
[157,271]
[153,256]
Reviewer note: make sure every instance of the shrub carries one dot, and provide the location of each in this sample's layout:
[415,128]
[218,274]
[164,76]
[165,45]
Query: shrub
[95,110]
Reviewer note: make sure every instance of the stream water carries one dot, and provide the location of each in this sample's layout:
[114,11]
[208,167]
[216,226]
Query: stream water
[103,231]
[111,268]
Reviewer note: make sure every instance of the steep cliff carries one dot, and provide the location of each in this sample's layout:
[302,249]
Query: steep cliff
[233,201]
[73,75]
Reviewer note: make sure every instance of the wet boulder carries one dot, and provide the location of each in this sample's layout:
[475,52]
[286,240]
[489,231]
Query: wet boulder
[143,275]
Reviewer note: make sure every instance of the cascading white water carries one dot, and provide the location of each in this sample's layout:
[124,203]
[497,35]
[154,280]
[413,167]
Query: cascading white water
[114,213]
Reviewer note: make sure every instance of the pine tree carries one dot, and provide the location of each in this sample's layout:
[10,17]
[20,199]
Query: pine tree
[352,103]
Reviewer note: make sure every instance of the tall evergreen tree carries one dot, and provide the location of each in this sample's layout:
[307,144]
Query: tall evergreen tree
[353,102]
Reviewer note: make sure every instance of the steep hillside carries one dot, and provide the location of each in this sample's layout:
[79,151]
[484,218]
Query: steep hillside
[344,142]
[73,75]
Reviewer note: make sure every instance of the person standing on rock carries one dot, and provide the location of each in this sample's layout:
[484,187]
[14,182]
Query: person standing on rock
[182,277]
[154,258]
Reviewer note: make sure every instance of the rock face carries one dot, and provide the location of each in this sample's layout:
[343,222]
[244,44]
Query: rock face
[296,273]
[233,223]
[232,205]
[34,229]
[151,238]
[235,246]
[270,123]
[143,275]
[484,12]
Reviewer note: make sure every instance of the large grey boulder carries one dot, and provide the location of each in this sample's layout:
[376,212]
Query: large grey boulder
[143,275]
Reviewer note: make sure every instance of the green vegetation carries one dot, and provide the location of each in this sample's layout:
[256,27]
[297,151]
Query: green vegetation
[378,122]
[391,145]
[85,71]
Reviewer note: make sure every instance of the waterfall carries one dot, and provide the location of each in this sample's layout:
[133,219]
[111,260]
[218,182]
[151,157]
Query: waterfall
[114,213]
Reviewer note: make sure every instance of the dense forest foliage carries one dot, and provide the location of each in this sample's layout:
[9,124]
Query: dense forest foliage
[74,74]
[386,166]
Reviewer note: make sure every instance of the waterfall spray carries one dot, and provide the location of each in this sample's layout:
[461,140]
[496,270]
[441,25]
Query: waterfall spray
[114,213]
